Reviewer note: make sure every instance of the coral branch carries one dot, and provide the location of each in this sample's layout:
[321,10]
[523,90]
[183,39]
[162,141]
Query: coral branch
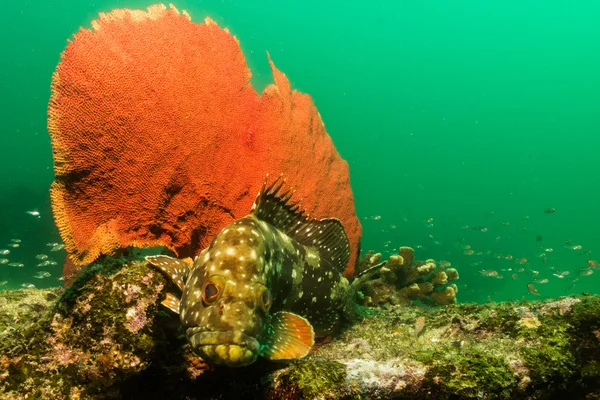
[403,280]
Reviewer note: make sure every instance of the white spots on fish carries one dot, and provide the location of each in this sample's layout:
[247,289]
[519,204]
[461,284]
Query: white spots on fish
[206,257]
[319,279]
[241,229]
[314,299]
[300,294]
[230,251]
[294,273]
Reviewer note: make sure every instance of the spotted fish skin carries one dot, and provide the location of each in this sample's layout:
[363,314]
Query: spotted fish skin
[265,286]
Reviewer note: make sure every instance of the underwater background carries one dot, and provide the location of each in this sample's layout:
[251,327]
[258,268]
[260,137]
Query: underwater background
[472,128]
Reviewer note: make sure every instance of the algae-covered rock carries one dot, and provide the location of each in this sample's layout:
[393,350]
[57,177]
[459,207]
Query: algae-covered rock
[106,337]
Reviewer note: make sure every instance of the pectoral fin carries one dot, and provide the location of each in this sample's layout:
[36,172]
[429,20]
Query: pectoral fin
[288,336]
[171,302]
[175,269]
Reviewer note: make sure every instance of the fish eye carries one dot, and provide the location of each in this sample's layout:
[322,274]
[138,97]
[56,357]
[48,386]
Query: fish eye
[266,299]
[210,291]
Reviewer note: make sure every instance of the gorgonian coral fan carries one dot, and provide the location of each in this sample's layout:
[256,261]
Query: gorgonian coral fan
[160,139]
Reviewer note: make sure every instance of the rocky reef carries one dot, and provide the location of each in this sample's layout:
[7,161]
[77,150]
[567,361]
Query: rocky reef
[107,337]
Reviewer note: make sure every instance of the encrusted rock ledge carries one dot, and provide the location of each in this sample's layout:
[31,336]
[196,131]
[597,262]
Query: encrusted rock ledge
[107,337]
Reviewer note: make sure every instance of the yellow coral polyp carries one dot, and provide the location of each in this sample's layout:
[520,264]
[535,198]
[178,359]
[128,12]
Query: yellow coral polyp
[452,274]
[440,278]
[411,292]
[426,288]
[446,296]
[408,255]
[395,261]
[426,268]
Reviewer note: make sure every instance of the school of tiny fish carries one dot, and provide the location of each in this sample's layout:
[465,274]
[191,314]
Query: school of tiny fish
[523,269]
[19,258]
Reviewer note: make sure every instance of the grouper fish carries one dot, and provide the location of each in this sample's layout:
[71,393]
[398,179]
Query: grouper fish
[266,285]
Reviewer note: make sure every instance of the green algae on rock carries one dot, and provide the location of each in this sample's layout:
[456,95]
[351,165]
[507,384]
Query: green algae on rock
[99,331]
[106,337]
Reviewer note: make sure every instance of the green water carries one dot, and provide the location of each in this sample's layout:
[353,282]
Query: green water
[444,110]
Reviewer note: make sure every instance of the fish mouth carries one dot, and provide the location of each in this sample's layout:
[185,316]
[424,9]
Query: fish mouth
[231,348]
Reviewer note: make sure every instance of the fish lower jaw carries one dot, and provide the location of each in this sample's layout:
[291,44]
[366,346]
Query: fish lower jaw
[231,355]
[233,349]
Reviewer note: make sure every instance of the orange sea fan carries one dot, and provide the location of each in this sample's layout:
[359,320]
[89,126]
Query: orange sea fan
[160,139]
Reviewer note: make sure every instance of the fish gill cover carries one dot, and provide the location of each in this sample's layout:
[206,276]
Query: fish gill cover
[159,139]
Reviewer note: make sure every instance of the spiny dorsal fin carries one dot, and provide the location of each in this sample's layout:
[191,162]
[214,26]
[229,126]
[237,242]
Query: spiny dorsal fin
[275,208]
[326,235]
[175,269]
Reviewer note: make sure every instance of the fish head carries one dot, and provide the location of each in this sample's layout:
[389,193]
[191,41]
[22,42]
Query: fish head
[226,300]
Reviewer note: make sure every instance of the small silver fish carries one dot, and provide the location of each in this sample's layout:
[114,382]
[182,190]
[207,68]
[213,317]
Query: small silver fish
[41,257]
[4,252]
[42,275]
[57,247]
[16,264]
[28,285]
[266,285]
[532,289]
[4,260]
